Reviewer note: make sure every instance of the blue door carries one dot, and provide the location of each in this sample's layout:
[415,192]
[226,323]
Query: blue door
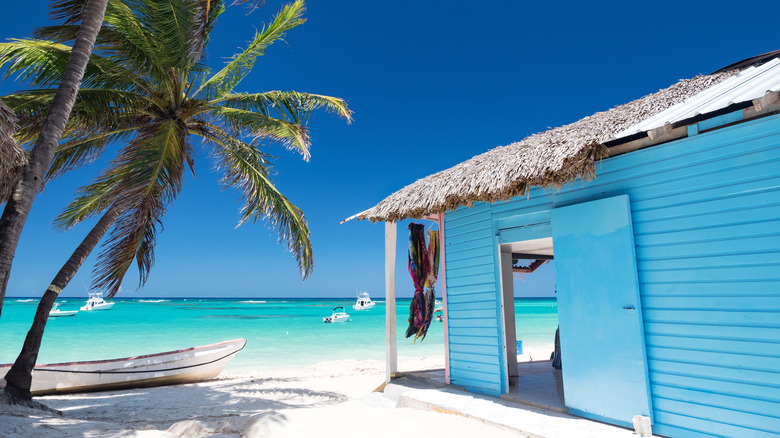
[602,341]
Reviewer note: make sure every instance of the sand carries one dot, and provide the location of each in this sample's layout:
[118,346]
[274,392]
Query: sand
[330,399]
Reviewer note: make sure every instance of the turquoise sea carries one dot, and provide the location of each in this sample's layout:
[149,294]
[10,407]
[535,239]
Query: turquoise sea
[279,332]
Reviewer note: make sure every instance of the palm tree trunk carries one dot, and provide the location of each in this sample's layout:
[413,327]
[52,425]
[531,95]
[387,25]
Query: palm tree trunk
[18,206]
[19,377]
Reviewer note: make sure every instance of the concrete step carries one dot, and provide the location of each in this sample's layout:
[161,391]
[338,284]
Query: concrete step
[527,420]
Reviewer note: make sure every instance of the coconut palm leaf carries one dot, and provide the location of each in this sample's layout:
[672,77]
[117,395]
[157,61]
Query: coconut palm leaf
[97,109]
[151,170]
[173,20]
[67,11]
[90,201]
[230,76]
[89,100]
[42,63]
[206,13]
[132,237]
[64,33]
[247,170]
[291,135]
[287,105]
[86,148]
[86,153]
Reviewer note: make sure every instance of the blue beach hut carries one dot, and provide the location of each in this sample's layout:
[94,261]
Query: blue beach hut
[663,218]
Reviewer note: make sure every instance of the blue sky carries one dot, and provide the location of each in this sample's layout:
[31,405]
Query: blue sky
[432,84]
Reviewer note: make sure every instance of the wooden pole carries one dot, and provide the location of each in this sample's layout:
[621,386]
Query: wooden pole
[391,350]
[443,277]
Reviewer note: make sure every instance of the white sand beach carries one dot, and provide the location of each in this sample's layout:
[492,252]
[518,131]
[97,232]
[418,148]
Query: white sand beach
[330,399]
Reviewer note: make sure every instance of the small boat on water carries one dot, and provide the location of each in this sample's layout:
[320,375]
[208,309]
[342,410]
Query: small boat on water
[56,311]
[338,315]
[173,367]
[363,301]
[438,314]
[96,302]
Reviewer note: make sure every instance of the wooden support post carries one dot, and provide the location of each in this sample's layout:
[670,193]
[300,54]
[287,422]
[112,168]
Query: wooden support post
[510,331]
[391,350]
[443,282]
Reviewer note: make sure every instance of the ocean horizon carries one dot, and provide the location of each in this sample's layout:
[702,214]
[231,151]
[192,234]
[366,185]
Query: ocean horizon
[280,331]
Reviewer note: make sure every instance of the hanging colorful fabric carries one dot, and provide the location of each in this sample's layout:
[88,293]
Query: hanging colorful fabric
[424,269]
[432,275]
[417,256]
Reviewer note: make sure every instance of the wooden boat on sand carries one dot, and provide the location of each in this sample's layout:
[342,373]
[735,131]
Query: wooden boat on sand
[169,368]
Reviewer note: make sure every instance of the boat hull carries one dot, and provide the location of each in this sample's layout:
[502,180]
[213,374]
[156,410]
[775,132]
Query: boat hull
[169,368]
[104,306]
[332,319]
[63,313]
[363,306]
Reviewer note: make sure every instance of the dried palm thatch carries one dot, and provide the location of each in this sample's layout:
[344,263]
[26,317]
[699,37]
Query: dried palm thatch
[548,159]
[12,157]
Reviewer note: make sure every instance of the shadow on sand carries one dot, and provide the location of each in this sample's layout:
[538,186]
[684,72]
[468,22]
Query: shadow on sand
[225,405]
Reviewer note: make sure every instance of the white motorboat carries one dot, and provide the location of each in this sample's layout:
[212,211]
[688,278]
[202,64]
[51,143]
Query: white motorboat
[169,368]
[438,314]
[363,301]
[56,311]
[96,302]
[338,316]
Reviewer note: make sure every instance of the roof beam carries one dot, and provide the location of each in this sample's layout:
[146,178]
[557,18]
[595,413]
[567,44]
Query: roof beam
[523,256]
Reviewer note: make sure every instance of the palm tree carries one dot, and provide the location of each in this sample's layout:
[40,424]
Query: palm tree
[56,115]
[142,89]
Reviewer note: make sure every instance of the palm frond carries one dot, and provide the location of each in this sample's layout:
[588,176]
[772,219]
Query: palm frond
[94,109]
[132,237]
[152,35]
[71,158]
[292,135]
[247,170]
[84,149]
[67,11]
[172,22]
[254,4]
[63,33]
[42,63]
[151,169]
[90,200]
[206,13]
[231,75]
[96,106]
[288,105]
[149,36]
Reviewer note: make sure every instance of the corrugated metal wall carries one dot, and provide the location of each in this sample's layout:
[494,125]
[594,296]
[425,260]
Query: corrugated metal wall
[706,215]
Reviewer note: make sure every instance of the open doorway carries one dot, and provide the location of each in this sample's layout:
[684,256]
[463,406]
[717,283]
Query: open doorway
[530,322]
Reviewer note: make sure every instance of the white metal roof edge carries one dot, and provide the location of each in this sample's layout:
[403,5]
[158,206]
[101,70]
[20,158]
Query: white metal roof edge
[749,84]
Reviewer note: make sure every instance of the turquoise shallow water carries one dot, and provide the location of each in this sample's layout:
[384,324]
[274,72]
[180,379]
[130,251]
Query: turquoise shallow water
[279,332]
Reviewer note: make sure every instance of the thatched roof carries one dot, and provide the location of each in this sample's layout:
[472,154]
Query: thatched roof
[12,157]
[548,159]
